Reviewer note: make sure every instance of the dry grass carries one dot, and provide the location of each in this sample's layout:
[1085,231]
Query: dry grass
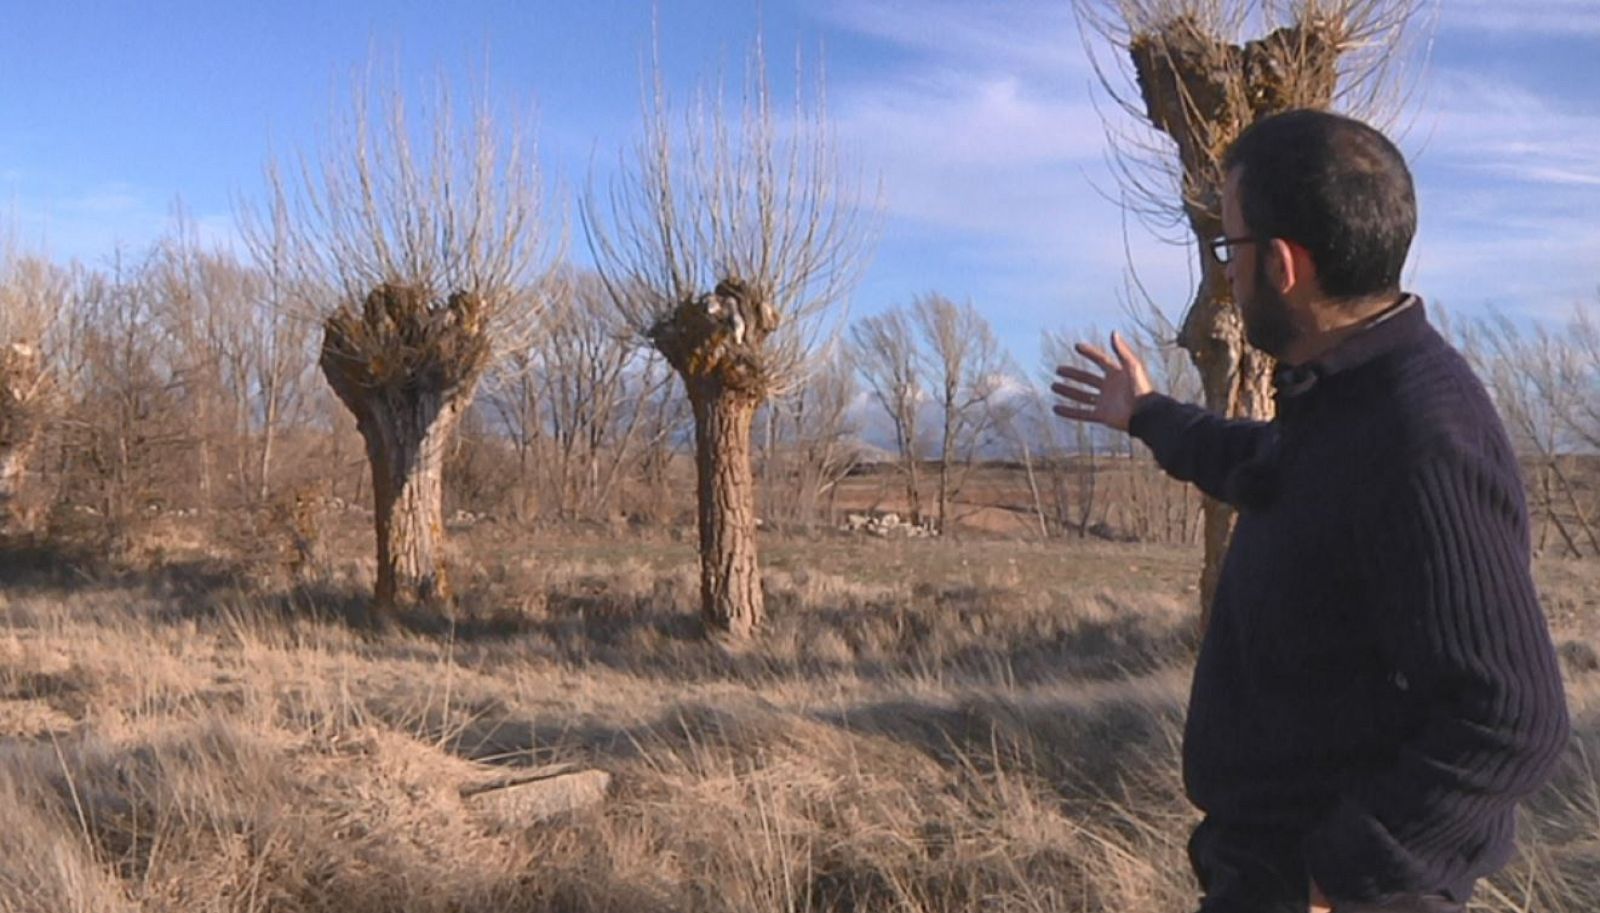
[925,726]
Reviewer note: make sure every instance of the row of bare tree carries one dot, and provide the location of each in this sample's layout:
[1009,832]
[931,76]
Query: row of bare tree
[944,354]
[1546,383]
[176,380]
[170,376]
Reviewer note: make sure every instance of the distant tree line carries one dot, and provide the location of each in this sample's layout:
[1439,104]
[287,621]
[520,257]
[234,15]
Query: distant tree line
[173,379]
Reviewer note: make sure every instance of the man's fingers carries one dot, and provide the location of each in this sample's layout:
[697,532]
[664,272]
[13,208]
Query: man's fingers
[1073,393]
[1081,376]
[1074,413]
[1097,356]
[1125,353]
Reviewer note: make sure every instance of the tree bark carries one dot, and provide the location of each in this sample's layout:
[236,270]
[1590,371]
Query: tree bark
[730,575]
[1237,380]
[406,432]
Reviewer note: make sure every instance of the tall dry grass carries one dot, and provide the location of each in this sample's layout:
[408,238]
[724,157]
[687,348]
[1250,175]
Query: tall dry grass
[928,727]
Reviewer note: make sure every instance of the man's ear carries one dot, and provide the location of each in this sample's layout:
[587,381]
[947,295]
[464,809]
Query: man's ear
[1282,272]
[1289,266]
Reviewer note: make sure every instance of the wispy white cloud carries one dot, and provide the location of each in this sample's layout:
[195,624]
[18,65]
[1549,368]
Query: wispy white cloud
[981,156]
[1509,182]
[1549,175]
[1537,274]
[107,200]
[91,223]
[1541,17]
[999,35]
[1491,125]
[991,150]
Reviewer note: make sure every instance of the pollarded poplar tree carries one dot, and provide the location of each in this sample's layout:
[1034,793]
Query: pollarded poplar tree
[33,299]
[963,362]
[1190,86]
[884,349]
[722,244]
[418,248]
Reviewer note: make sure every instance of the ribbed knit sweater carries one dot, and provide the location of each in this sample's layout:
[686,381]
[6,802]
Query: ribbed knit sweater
[1377,686]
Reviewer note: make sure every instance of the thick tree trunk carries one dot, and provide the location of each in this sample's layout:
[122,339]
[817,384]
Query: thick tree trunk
[714,342]
[406,365]
[406,432]
[730,576]
[1237,380]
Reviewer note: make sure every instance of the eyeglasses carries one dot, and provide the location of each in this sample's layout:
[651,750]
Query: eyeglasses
[1222,248]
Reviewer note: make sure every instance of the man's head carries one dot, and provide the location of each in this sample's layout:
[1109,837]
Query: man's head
[1329,205]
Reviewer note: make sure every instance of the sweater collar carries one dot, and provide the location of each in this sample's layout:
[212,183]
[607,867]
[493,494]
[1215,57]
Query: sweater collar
[1383,333]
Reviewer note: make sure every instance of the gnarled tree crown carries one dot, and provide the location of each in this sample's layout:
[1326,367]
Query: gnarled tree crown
[1186,77]
[719,338]
[405,336]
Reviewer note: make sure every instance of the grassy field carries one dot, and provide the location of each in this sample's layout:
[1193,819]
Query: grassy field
[924,726]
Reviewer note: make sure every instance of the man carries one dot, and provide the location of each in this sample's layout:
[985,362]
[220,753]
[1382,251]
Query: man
[1377,687]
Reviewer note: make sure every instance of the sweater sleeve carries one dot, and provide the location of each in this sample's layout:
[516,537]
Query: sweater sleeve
[1195,445]
[1458,622]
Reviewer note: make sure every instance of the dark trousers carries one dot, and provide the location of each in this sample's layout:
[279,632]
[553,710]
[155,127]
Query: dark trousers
[1262,872]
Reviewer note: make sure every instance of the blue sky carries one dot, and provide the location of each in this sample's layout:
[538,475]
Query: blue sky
[980,118]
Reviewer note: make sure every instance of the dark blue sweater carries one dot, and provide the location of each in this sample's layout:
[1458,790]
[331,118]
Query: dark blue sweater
[1377,685]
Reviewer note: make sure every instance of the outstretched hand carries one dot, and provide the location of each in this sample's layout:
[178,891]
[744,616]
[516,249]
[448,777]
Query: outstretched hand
[1109,399]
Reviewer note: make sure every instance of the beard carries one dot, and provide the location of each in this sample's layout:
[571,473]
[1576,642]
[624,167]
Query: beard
[1266,317]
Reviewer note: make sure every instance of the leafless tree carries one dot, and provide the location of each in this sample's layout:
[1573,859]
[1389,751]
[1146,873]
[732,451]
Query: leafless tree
[239,351]
[1581,375]
[578,404]
[1546,385]
[127,418]
[884,350]
[1075,463]
[964,366]
[197,297]
[1189,85]
[1020,426]
[667,424]
[585,357]
[810,444]
[418,249]
[513,395]
[272,348]
[722,244]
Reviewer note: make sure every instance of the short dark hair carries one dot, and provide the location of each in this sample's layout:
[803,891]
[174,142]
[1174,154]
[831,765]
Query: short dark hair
[1336,187]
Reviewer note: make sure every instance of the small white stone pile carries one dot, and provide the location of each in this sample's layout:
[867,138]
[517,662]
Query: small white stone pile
[886,525]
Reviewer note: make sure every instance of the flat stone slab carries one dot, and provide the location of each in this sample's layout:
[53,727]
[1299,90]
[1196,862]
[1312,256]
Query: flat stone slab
[516,803]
